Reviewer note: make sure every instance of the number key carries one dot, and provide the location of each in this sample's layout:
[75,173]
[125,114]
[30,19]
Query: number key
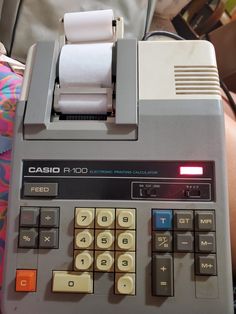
[125,262]
[126,240]
[83,260]
[104,261]
[84,217]
[125,218]
[105,240]
[84,239]
[105,217]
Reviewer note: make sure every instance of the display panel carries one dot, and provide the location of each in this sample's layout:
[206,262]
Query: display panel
[110,180]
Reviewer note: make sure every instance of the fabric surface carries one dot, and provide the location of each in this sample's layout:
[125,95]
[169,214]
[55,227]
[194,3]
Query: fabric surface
[39,20]
[10,85]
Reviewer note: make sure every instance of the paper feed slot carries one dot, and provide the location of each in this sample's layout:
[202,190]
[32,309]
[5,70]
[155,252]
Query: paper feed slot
[73,95]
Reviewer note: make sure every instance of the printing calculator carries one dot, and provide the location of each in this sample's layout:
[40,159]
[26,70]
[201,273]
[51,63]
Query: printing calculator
[126,213]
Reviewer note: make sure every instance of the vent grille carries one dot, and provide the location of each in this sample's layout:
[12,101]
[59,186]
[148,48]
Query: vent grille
[196,80]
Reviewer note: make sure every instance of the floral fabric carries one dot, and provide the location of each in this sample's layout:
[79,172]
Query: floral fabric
[10,86]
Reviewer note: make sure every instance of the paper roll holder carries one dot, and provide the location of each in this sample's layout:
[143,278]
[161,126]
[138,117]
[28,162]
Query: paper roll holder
[118,33]
[41,91]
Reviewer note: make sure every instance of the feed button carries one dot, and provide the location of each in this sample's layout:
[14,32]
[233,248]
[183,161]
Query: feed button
[41,189]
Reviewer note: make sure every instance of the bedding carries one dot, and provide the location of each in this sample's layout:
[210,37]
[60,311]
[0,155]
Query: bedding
[10,86]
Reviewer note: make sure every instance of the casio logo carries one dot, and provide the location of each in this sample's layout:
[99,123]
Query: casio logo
[44,170]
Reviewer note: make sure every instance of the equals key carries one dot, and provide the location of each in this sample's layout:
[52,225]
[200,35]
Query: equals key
[162,275]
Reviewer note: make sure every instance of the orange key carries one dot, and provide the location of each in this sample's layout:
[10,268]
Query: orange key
[26,280]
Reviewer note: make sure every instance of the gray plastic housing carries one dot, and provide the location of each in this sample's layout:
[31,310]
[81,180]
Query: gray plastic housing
[168,130]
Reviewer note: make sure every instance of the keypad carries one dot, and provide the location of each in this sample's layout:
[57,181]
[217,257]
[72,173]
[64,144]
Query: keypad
[181,231]
[105,241]
[39,227]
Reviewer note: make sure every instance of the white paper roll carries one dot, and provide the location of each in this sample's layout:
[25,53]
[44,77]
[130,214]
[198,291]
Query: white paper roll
[85,65]
[82,104]
[89,26]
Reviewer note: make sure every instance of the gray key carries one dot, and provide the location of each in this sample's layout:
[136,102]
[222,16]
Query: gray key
[183,220]
[48,238]
[162,277]
[49,217]
[184,242]
[40,189]
[28,238]
[205,242]
[206,265]
[29,216]
[205,220]
[162,241]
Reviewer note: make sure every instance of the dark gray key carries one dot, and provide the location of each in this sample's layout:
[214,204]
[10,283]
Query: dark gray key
[49,217]
[162,277]
[29,216]
[162,241]
[183,242]
[28,238]
[48,238]
[205,220]
[183,220]
[41,189]
[206,265]
[205,242]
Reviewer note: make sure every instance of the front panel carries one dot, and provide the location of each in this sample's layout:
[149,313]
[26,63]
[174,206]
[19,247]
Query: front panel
[116,235]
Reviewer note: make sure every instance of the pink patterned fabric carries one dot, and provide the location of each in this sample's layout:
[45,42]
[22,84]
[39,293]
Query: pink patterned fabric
[10,85]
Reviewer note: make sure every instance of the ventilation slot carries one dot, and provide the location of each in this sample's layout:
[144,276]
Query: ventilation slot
[196,80]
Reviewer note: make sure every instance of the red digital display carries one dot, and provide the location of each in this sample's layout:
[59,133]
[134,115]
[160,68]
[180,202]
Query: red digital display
[191,170]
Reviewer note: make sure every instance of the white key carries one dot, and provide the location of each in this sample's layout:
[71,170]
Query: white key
[104,261]
[125,218]
[84,217]
[125,284]
[125,262]
[105,240]
[64,281]
[84,239]
[126,240]
[83,260]
[105,217]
